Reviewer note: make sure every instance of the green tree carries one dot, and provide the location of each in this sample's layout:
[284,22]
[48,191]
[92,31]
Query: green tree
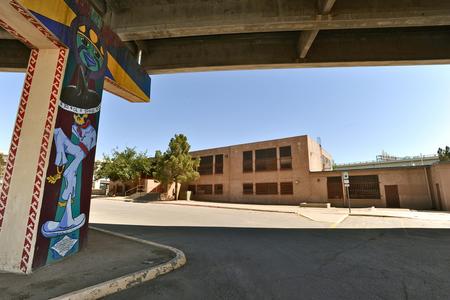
[176,165]
[127,165]
[444,154]
[2,163]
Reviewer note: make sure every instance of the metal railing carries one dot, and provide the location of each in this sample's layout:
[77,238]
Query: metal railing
[136,189]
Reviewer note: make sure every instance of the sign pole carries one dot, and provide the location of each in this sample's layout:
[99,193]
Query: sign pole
[346,180]
[348,198]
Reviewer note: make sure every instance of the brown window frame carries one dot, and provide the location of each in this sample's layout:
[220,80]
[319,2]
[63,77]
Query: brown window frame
[365,187]
[217,190]
[204,189]
[285,158]
[208,168]
[244,185]
[287,188]
[335,188]
[266,188]
[247,162]
[218,164]
[266,160]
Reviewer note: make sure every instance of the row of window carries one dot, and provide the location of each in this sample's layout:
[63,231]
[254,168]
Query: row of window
[266,159]
[208,164]
[206,189]
[267,188]
[361,187]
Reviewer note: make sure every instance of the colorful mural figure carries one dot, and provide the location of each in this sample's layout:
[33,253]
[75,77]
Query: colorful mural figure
[96,55]
[86,135]
[87,58]
[77,97]
[74,139]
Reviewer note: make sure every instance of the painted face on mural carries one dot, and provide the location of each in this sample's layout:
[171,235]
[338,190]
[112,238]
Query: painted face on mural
[87,68]
[90,51]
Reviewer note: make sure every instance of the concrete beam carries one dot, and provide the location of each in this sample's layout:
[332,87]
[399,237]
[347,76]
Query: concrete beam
[325,6]
[307,37]
[14,56]
[5,35]
[363,47]
[305,42]
[141,20]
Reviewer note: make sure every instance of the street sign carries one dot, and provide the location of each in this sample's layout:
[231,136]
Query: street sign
[345,176]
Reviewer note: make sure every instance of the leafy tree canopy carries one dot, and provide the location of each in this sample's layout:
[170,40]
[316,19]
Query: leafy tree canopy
[126,165]
[444,154]
[2,162]
[176,164]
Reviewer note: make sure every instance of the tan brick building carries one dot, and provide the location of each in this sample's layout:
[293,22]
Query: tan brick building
[297,169]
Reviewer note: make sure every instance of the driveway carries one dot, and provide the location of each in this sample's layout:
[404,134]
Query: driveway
[276,262]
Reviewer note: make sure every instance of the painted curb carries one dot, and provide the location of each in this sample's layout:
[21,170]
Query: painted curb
[130,280]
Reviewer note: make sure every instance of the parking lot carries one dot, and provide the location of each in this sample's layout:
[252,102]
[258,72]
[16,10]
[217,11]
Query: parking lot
[239,254]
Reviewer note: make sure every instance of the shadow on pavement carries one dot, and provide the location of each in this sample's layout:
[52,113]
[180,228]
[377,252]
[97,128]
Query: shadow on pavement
[255,263]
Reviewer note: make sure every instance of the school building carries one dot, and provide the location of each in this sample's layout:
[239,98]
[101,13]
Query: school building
[297,169]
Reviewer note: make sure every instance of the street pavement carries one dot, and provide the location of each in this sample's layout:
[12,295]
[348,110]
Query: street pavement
[234,254]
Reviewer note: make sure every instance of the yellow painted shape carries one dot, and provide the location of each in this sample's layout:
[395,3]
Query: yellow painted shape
[56,10]
[124,80]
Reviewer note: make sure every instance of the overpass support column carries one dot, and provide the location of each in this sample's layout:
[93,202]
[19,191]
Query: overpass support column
[22,190]
[46,194]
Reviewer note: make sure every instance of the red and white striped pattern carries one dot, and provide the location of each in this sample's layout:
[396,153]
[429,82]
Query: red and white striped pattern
[30,18]
[16,134]
[46,143]
[15,34]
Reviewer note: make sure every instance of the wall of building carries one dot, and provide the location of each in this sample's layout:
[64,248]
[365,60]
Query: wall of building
[412,187]
[306,155]
[310,169]
[440,175]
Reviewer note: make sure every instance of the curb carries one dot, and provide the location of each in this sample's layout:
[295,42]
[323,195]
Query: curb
[130,280]
[391,216]
[236,208]
[333,224]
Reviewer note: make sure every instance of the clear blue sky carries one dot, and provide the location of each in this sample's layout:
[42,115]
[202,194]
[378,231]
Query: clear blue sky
[357,112]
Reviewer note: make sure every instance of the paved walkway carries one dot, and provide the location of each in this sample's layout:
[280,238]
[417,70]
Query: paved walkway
[106,257]
[328,215]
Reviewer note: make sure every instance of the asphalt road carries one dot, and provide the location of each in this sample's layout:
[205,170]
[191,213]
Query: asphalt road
[299,263]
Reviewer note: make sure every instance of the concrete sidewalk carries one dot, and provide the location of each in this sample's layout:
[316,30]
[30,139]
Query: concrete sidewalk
[333,215]
[108,264]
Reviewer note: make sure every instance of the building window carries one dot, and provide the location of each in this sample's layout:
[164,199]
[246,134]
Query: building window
[286,188]
[191,188]
[285,158]
[218,189]
[247,188]
[364,187]
[334,187]
[267,188]
[206,165]
[247,161]
[266,159]
[218,167]
[204,189]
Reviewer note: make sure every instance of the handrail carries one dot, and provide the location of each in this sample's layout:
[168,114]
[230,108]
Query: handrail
[135,188]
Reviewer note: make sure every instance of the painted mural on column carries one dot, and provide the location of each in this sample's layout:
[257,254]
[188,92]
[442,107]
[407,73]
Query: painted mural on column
[96,56]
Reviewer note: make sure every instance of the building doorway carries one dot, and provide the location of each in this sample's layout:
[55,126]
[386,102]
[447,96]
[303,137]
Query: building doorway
[392,197]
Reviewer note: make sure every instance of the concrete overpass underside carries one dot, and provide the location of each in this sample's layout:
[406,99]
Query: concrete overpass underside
[198,35]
